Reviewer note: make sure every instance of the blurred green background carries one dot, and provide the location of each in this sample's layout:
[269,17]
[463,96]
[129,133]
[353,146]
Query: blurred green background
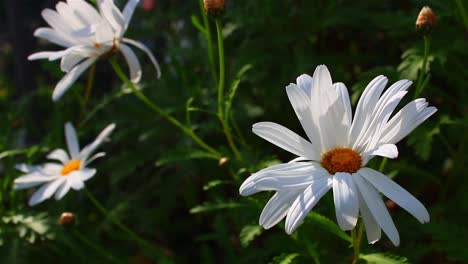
[156,181]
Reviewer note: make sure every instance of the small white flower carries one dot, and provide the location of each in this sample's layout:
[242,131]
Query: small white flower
[336,159]
[71,172]
[86,35]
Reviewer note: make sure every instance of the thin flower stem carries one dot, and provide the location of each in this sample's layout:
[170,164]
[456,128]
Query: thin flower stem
[222,71]
[158,252]
[161,112]
[89,86]
[422,73]
[462,10]
[357,239]
[95,247]
[382,164]
[209,42]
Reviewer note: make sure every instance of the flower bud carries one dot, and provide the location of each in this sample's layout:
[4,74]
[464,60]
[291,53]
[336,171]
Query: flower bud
[67,219]
[214,7]
[223,161]
[426,21]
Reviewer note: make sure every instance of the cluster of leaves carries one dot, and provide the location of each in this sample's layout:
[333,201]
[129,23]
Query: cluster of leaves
[177,196]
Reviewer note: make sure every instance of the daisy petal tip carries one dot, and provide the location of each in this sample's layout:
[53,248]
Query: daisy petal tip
[247,188]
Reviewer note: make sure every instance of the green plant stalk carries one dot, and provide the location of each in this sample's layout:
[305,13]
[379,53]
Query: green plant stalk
[161,112]
[89,86]
[422,73]
[96,247]
[357,240]
[124,228]
[209,41]
[461,8]
[222,73]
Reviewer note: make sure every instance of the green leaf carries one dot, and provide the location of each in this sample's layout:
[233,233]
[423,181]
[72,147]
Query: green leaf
[214,206]
[235,86]
[248,233]
[212,184]
[284,258]
[381,258]
[184,154]
[327,225]
[196,23]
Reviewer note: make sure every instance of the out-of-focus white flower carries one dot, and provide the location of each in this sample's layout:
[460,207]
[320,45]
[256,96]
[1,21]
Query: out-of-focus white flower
[340,146]
[71,172]
[88,34]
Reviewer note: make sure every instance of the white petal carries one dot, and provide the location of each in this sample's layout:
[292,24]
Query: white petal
[304,82]
[296,175]
[396,193]
[89,149]
[300,101]
[60,193]
[305,202]
[30,180]
[53,36]
[94,157]
[46,55]
[344,96]
[346,201]
[133,63]
[285,139]
[72,140]
[75,181]
[377,208]
[86,173]
[60,155]
[46,191]
[147,51]
[84,11]
[113,15]
[70,78]
[386,150]
[373,231]
[277,207]
[128,11]
[25,168]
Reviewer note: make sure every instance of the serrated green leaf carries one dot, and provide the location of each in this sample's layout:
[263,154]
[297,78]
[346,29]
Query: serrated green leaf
[284,258]
[214,206]
[327,225]
[235,86]
[381,258]
[248,233]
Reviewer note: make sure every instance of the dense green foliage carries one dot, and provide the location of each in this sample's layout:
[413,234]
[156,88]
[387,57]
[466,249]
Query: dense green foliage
[158,182]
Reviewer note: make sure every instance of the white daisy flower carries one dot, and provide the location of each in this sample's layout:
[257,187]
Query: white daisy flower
[71,172]
[337,153]
[88,34]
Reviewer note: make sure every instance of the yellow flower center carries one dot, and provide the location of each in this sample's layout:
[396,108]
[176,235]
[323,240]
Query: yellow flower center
[341,160]
[71,166]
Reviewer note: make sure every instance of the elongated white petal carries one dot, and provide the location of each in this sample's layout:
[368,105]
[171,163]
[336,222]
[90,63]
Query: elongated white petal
[396,193]
[305,202]
[70,78]
[60,193]
[72,140]
[300,101]
[85,12]
[26,168]
[45,55]
[304,82]
[285,139]
[297,175]
[373,231]
[89,149]
[60,155]
[277,207]
[377,208]
[46,191]
[133,63]
[344,96]
[386,150]
[128,11]
[30,180]
[346,201]
[53,36]
[113,15]
[147,51]
[94,157]
[86,173]
[75,181]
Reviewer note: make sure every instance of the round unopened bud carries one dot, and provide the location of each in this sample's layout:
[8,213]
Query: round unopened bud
[67,219]
[214,7]
[223,161]
[426,21]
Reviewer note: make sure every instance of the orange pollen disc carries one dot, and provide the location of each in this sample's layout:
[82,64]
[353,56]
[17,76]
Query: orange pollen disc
[73,165]
[341,160]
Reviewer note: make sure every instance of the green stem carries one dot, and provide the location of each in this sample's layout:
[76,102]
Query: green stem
[357,239]
[222,71]
[382,164]
[119,224]
[461,8]
[209,42]
[89,86]
[422,73]
[161,112]
[95,247]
